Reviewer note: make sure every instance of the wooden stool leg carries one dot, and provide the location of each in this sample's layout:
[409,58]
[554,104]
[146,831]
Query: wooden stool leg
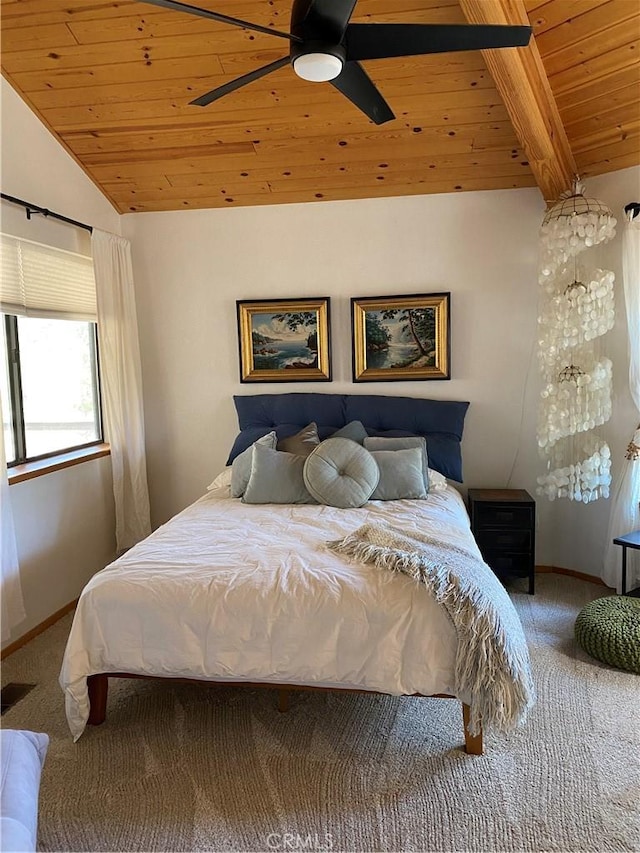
[98,686]
[283,700]
[472,743]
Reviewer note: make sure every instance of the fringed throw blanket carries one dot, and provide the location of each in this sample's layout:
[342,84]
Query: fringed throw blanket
[493,673]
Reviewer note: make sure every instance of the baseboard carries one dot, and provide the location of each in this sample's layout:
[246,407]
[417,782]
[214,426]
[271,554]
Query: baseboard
[39,629]
[572,574]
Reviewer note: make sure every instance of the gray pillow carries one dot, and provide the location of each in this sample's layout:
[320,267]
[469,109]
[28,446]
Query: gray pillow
[401,475]
[380,442]
[302,443]
[341,473]
[353,430]
[241,467]
[276,478]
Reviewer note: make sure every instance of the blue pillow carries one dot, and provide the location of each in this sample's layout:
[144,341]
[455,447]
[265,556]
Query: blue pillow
[341,473]
[441,422]
[401,475]
[276,478]
[402,443]
[353,431]
[241,468]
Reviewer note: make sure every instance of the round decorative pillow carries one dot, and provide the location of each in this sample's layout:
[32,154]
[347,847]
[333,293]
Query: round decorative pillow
[608,629]
[341,473]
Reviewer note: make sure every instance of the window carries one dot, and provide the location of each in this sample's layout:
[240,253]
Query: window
[49,375]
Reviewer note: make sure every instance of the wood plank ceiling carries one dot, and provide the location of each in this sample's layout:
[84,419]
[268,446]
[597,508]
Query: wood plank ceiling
[112,79]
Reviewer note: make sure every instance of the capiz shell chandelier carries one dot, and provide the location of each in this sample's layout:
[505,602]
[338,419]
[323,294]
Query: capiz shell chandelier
[576,309]
[573,224]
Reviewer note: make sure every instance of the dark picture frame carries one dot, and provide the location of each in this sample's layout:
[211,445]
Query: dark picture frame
[284,340]
[399,338]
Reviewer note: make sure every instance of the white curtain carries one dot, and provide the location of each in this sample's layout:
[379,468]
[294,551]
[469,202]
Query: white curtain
[625,512]
[12,603]
[121,382]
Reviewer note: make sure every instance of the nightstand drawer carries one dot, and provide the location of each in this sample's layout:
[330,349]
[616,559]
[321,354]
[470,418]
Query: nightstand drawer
[504,540]
[503,523]
[516,565]
[494,515]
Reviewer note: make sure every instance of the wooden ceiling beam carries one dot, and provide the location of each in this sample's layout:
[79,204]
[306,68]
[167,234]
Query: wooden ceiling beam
[522,82]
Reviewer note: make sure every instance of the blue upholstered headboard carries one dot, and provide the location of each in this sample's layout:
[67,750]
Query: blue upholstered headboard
[440,421]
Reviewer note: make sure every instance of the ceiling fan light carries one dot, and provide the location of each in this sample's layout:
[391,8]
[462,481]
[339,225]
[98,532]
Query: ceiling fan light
[317,67]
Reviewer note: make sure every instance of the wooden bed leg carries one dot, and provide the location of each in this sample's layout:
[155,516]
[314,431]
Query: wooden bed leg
[472,743]
[98,688]
[283,700]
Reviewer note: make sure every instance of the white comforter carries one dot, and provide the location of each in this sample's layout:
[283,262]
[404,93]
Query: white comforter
[229,591]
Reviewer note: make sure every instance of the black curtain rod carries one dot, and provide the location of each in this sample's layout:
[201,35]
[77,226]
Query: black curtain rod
[35,208]
[633,208]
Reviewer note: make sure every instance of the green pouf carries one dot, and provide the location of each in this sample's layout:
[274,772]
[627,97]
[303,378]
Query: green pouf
[608,629]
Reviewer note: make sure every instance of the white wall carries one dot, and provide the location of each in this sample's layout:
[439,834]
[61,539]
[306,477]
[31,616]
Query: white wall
[64,520]
[190,268]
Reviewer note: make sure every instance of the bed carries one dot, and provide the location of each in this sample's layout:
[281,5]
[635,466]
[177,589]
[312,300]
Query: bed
[230,592]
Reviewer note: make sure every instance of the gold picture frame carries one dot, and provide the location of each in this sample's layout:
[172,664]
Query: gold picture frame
[396,338]
[284,340]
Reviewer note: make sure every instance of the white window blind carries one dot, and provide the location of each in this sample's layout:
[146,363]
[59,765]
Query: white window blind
[40,281]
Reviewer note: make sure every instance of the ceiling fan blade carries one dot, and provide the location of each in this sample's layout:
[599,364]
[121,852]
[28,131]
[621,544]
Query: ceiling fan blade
[379,41]
[322,19]
[354,83]
[217,16]
[232,85]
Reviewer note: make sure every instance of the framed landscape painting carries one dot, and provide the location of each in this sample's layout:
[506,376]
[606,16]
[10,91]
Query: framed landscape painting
[284,340]
[401,337]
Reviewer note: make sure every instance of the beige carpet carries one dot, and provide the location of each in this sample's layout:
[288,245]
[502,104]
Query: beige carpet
[190,768]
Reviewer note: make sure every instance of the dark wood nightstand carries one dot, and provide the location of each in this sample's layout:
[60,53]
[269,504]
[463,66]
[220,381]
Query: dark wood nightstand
[503,522]
[629,540]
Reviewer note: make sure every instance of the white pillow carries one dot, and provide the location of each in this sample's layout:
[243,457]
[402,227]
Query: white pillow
[437,483]
[222,481]
[22,755]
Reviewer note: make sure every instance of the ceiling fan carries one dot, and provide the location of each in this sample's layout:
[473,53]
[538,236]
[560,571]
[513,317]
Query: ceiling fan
[325,47]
